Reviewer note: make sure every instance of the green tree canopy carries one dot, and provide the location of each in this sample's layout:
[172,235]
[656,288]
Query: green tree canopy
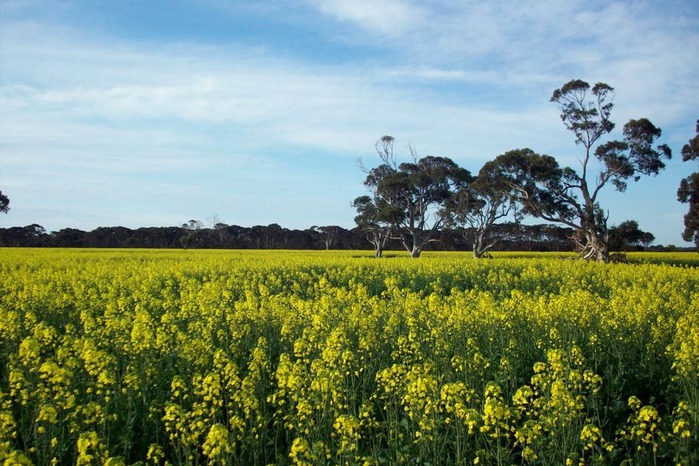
[688,191]
[4,203]
[478,205]
[410,197]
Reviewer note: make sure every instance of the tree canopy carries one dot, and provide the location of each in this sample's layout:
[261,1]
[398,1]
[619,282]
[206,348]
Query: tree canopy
[409,198]
[627,235]
[688,191]
[477,206]
[4,203]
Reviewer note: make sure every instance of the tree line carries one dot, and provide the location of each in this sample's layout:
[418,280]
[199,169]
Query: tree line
[412,201]
[516,237]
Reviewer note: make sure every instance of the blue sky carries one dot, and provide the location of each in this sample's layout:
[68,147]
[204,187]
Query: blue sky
[148,113]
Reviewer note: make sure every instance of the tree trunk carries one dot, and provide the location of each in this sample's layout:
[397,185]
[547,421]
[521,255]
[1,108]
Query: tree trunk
[600,249]
[415,252]
[378,240]
[413,244]
[378,250]
[478,244]
[595,248]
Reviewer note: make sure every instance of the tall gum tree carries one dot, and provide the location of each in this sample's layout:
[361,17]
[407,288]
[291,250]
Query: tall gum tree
[688,192]
[411,196]
[479,205]
[376,217]
[571,196]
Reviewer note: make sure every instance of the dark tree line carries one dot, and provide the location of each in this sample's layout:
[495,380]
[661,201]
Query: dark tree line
[514,237]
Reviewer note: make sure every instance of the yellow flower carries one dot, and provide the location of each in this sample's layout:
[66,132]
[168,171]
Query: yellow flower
[300,452]
[217,444]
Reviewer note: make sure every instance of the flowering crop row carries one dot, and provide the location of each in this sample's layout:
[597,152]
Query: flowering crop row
[213,357]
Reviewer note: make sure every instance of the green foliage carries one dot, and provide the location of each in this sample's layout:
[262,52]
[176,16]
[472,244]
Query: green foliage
[478,205]
[688,192]
[4,203]
[409,198]
[628,235]
[586,116]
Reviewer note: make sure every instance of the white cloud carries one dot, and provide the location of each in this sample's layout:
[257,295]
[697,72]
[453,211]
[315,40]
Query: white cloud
[261,100]
[387,17]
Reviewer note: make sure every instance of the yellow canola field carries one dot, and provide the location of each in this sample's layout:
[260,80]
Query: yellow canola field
[269,357]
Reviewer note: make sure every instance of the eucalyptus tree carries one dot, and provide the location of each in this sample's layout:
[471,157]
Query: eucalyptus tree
[375,218]
[571,196]
[330,235]
[411,197]
[628,235]
[4,203]
[478,206]
[689,191]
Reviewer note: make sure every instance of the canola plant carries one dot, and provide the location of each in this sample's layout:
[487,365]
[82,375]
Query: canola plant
[311,358]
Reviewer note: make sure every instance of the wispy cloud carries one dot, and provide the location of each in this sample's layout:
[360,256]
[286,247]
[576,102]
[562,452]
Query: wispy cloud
[386,18]
[263,100]
[536,37]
